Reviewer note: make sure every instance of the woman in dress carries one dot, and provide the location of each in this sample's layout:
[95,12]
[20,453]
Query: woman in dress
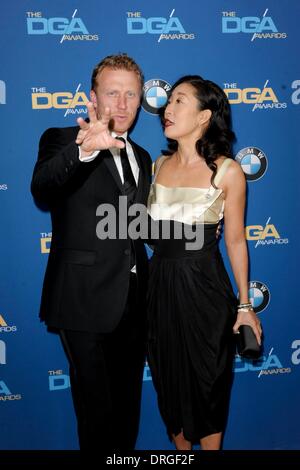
[193,311]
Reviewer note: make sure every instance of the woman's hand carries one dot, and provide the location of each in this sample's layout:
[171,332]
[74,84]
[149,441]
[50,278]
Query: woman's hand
[250,318]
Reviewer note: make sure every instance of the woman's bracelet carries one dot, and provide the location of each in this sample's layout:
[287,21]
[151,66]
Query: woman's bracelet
[246,307]
[248,304]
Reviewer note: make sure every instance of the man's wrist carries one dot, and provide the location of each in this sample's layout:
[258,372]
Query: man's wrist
[87,156]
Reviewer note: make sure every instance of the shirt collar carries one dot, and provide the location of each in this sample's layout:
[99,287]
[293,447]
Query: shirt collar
[114,135]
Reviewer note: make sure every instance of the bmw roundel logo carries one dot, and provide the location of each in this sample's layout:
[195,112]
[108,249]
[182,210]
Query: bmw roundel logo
[259,296]
[253,161]
[155,95]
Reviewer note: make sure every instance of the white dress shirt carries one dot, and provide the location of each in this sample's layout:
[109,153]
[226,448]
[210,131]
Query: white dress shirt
[116,154]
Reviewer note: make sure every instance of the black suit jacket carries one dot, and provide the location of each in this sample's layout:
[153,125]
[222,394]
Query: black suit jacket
[87,279]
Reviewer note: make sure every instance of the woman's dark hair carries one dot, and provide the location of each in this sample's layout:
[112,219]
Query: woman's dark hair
[218,137]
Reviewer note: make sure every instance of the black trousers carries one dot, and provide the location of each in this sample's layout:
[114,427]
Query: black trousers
[106,372]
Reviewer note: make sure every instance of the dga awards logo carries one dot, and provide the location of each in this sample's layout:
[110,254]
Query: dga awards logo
[267,235]
[253,161]
[165,28]
[2,92]
[261,98]
[45,242]
[267,365]
[70,29]
[295,95]
[258,27]
[6,394]
[4,327]
[71,102]
[259,295]
[155,95]
[58,380]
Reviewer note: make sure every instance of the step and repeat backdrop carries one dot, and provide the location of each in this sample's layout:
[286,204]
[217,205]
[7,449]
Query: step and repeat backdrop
[251,49]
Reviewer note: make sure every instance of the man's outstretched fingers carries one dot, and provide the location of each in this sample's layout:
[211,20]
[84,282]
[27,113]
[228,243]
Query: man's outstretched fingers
[106,116]
[82,124]
[118,143]
[91,112]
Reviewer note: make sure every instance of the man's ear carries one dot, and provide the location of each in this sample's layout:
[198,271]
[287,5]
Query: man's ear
[93,98]
[204,116]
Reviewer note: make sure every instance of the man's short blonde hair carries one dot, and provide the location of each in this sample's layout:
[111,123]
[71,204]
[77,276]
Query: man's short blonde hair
[117,62]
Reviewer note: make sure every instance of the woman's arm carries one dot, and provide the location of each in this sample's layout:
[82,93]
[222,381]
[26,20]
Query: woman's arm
[234,186]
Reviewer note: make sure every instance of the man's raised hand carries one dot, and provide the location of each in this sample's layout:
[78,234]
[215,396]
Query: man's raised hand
[95,135]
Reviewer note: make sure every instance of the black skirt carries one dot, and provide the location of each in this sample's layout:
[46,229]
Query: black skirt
[191,312]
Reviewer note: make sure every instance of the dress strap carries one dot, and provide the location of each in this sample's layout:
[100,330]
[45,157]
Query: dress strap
[157,164]
[222,170]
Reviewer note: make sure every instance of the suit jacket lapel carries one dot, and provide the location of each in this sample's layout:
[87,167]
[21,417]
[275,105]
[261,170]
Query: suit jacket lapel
[110,163]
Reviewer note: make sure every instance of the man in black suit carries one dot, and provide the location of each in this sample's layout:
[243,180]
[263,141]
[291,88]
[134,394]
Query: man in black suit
[94,289]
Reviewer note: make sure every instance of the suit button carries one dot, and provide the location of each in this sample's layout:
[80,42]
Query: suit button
[127,251]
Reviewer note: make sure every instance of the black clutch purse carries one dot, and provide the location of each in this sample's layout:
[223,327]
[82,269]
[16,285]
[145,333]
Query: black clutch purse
[246,342]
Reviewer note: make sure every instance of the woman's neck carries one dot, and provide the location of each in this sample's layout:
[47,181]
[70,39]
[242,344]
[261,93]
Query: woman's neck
[186,153]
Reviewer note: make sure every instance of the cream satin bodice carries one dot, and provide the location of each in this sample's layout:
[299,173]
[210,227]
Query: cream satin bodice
[185,204]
